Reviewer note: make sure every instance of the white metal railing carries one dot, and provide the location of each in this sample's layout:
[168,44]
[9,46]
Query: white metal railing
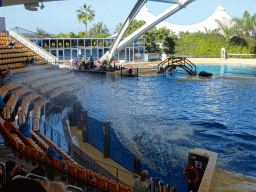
[35,48]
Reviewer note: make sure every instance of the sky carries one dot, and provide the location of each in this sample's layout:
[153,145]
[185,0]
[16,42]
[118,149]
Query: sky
[61,16]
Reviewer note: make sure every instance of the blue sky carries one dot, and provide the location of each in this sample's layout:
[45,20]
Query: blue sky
[61,16]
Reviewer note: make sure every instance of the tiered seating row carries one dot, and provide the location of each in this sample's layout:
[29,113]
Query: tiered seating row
[14,50]
[82,173]
[4,89]
[65,89]
[24,107]
[8,109]
[37,113]
[50,80]
[56,85]
[42,75]
[30,68]
[12,55]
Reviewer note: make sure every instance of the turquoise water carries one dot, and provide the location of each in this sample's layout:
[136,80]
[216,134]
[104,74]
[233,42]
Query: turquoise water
[174,117]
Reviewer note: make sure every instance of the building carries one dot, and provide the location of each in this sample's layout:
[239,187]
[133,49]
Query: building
[67,48]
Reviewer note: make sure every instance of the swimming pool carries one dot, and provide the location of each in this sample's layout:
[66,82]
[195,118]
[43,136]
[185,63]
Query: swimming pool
[175,116]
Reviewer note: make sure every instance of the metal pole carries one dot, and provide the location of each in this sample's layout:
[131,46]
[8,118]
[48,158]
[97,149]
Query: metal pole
[137,72]
[116,174]
[51,134]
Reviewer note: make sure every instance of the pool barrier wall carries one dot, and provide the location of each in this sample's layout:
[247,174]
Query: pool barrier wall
[205,161]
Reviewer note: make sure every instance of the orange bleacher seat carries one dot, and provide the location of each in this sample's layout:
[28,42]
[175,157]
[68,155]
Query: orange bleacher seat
[112,186]
[63,171]
[123,188]
[34,156]
[27,153]
[81,174]
[90,177]
[101,182]
[56,163]
[72,170]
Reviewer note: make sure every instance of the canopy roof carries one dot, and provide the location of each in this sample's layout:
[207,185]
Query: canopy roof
[210,23]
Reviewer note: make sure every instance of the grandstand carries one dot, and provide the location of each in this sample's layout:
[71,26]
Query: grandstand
[25,91]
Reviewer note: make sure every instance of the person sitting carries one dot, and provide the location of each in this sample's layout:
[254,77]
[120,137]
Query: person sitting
[130,71]
[9,166]
[139,184]
[38,171]
[51,153]
[53,186]
[161,70]
[23,184]
[24,128]
[18,170]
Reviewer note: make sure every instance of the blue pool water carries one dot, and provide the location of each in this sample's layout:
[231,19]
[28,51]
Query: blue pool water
[174,117]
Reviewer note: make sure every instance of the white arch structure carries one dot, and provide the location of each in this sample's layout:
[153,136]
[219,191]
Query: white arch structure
[119,45]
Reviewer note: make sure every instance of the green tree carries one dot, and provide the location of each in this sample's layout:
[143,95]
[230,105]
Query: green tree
[246,28]
[98,29]
[228,29]
[118,27]
[40,31]
[85,14]
[135,25]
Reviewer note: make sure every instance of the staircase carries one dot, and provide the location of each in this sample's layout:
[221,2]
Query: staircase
[173,62]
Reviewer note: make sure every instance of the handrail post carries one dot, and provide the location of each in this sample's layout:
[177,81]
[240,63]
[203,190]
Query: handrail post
[116,174]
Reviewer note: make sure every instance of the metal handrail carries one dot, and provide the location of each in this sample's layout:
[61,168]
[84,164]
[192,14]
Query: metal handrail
[37,49]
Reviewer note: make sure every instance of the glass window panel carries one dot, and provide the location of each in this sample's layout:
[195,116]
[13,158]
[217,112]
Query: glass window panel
[67,55]
[95,53]
[46,44]
[122,55]
[108,42]
[81,43]
[106,50]
[136,53]
[60,43]
[67,43]
[74,53]
[100,53]
[60,54]
[94,42]
[54,52]
[82,55]
[74,43]
[100,42]
[141,51]
[53,43]
[88,43]
[87,53]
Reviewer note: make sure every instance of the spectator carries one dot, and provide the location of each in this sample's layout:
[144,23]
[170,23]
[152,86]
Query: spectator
[1,105]
[9,166]
[18,170]
[139,184]
[24,128]
[51,153]
[38,171]
[21,184]
[53,186]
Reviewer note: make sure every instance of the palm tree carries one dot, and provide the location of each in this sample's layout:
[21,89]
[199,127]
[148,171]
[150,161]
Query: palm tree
[85,15]
[118,27]
[40,31]
[98,29]
[246,28]
[228,29]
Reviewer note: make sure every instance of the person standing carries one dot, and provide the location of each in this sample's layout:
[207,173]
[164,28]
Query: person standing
[140,184]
